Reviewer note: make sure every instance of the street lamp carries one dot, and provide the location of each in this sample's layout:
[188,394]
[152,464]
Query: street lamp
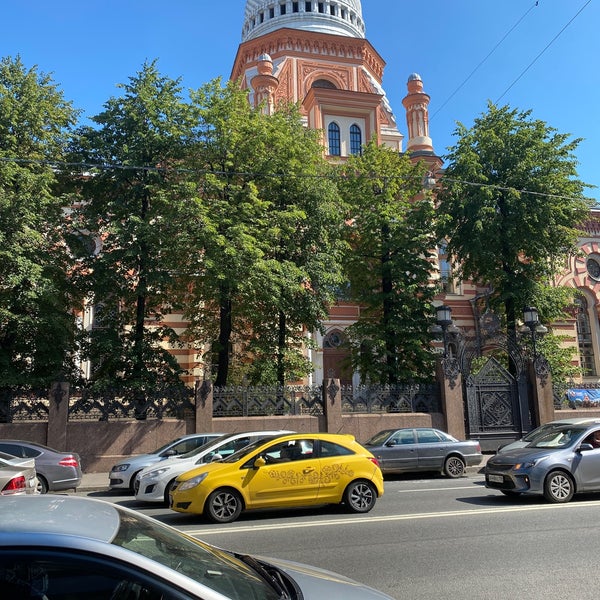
[532,322]
[443,317]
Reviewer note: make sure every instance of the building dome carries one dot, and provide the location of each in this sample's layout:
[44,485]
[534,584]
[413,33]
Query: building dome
[336,17]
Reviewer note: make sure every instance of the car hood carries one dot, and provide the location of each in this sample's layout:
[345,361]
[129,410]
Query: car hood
[317,584]
[520,454]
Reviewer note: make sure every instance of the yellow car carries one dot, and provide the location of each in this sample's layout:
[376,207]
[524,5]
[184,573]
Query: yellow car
[282,472]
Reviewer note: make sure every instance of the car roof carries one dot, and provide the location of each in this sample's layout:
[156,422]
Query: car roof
[61,514]
[33,445]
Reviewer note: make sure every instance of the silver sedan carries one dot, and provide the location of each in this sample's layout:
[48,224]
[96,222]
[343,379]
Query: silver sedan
[558,463]
[59,546]
[423,449]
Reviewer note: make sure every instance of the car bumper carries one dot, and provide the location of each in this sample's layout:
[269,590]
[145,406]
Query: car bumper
[149,491]
[521,482]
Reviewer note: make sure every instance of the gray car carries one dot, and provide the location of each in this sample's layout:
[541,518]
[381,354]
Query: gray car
[56,471]
[81,548]
[408,449]
[557,464]
[123,474]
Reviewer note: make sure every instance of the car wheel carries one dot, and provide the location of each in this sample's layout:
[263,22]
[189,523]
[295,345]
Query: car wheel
[134,481]
[360,497]
[168,489]
[558,487]
[42,485]
[454,466]
[223,506]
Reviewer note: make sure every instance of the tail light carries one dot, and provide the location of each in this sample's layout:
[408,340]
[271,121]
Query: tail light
[374,460]
[69,461]
[17,484]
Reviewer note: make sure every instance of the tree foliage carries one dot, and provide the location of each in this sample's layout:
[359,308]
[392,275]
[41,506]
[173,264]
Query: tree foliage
[37,322]
[510,205]
[391,235]
[138,206]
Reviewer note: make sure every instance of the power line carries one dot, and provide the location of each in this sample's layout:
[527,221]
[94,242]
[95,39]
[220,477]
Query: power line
[88,168]
[484,60]
[542,52]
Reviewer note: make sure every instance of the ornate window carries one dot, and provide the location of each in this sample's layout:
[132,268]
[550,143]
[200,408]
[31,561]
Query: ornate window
[355,139]
[334,339]
[593,267]
[335,148]
[587,358]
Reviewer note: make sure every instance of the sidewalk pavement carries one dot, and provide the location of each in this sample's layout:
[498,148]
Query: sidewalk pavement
[98,482]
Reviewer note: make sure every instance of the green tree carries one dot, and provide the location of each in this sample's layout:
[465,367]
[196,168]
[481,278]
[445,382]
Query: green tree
[140,206]
[391,236]
[267,258]
[37,322]
[510,205]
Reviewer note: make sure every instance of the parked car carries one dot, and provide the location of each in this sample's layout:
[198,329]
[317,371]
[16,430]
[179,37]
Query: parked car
[558,463]
[423,449]
[282,472]
[56,471]
[154,482]
[17,475]
[526,439]
[123,474]
[78,547]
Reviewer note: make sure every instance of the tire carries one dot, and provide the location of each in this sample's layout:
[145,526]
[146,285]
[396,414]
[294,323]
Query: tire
[132,481]
[223,506]
[360,497]
[454,467]
[558,487]
[168,488]
[42,486]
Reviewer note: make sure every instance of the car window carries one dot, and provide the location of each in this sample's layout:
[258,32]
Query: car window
[62,574]
[380,438]
[185,446]
[12,449]
[404,436]
[289,450]
[427,436]
[331,449]
[557,438]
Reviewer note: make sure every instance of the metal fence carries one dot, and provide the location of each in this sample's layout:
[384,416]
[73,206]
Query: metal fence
[231,401]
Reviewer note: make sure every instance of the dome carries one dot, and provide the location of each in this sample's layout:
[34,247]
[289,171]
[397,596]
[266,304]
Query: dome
[336,17]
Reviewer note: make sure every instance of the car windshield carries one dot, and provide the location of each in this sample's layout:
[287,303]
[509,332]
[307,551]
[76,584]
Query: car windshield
[210,566]
[163,448]
[540,431]
[247,449]
[557,437]
[206,446]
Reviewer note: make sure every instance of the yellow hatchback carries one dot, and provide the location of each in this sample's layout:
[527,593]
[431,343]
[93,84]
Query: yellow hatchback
[282,471]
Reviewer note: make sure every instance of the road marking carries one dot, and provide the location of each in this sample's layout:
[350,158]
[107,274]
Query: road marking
[446,489]
[370,520]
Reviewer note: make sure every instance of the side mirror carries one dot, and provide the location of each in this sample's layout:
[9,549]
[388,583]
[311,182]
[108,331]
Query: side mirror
[391,443]
[170,452]
[259,462]
[585,446]
[216,456]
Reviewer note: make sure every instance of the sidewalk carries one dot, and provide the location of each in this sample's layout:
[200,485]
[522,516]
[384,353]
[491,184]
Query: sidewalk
[97,482]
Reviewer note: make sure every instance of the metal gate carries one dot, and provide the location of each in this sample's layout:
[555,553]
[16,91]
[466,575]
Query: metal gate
[497,405]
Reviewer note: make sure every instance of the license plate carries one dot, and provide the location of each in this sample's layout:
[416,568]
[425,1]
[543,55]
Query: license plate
[496,478]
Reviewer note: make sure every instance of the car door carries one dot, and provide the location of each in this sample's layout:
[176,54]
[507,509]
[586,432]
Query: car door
[431,449]
[290,476]
[399,453]
[586,469]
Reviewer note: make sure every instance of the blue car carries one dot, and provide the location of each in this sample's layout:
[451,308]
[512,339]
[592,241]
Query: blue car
[558,463]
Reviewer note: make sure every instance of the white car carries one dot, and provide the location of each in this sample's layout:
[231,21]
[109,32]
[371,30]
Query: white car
[154,482]
[124,474]
[17,475]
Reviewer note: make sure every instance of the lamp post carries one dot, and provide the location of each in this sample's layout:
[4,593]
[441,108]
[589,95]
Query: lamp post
[443,317]
[531,320]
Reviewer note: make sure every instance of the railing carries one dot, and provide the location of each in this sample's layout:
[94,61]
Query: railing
[232,401]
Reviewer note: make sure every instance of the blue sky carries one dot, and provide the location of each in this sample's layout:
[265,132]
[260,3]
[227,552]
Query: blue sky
[540,56]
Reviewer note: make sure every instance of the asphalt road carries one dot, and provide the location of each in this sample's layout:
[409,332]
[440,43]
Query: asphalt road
[427,538]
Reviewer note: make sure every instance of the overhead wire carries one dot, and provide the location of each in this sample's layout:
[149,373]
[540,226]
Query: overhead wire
[542,52]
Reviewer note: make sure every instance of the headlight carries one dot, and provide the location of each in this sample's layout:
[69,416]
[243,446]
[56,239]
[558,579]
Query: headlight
[119,468]
[154,473]
[193,482]
[525,465]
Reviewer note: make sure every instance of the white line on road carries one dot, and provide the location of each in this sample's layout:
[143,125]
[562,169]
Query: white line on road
[353,521]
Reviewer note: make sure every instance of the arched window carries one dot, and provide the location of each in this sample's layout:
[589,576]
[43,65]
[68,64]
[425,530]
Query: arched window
[334,139]
[355,139]
[584,338]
